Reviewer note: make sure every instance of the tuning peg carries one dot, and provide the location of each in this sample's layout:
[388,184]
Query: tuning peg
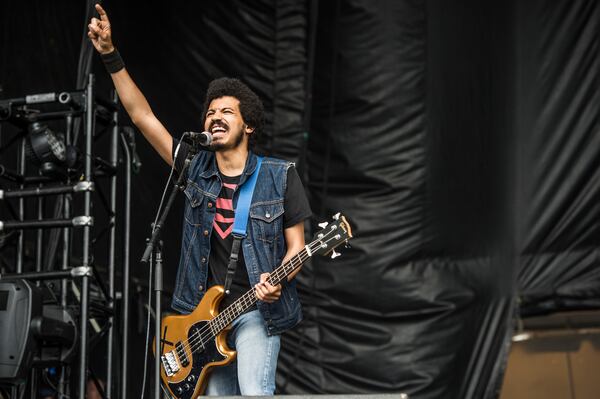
[335,254]
[347,245]
[336,216]
[323,225]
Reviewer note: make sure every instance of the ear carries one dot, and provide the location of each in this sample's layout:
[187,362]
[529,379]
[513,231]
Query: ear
[248,129]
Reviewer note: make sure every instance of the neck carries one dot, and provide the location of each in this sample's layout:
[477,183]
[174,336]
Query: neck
[231,162]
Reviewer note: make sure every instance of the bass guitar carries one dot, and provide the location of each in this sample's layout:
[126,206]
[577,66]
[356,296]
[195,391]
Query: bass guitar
[194,344]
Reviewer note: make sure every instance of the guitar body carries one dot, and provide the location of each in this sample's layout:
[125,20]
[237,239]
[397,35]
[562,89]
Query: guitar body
[190,368]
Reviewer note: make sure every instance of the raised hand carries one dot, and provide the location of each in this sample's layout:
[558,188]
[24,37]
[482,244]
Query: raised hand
[100,33]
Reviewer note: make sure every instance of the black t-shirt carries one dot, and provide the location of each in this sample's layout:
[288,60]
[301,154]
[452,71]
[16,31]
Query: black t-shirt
[296,209]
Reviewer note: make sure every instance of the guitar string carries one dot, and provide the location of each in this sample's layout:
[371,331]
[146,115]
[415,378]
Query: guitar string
[246,297]
[201,336]
[222,320]
[227,316]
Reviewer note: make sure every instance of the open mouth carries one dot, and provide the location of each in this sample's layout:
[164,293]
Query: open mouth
[218,130]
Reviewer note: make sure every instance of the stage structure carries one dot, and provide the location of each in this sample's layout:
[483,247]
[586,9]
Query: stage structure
[58,305]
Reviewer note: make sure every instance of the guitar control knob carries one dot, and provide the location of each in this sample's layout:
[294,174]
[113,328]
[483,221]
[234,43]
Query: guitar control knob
[179,390]
[191,378]
[187,387]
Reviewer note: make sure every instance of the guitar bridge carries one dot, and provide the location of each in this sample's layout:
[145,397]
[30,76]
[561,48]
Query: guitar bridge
[170,364]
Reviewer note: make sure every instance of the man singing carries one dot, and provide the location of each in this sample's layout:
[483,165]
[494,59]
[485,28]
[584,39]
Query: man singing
[233,114]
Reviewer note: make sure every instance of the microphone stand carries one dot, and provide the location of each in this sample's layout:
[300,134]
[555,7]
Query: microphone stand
[158,278]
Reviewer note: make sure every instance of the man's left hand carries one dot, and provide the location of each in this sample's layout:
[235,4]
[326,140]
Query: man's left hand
[265,291]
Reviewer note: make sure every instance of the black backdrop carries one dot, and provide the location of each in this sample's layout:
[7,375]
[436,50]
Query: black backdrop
[460,138]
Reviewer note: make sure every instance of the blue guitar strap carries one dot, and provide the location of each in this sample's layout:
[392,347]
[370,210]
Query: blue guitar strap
[240,222]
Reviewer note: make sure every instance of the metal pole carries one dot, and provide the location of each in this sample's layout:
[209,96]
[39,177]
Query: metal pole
[33,383]
[38,268]
[20,241]
[66,248]
[112,243]
[66,253]
[89,132]
[41,191]
[157,320]
[40,237]
[125,303]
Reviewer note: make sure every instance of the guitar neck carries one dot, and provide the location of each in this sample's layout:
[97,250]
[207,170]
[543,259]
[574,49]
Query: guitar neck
[244,302]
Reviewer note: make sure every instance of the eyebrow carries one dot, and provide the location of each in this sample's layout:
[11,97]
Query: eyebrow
[222,109]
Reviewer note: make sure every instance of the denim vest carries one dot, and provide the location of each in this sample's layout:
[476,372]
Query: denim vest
[263,248]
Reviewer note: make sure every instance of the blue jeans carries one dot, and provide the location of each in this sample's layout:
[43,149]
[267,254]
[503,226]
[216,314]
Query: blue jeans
[253,370]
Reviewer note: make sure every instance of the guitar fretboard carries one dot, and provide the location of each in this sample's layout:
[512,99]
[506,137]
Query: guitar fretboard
[244,302]
[324,243]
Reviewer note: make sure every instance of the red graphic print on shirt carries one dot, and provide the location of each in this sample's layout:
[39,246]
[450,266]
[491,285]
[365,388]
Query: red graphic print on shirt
[224,218]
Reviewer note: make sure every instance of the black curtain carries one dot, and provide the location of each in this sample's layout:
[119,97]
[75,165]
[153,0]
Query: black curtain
[557,103]
[410,138]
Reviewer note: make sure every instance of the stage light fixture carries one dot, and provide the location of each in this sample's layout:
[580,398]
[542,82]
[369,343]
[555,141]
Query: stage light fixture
[44,146]
[32,333]
[47,150]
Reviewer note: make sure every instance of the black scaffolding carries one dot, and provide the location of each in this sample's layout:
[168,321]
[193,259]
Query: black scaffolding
[76,184]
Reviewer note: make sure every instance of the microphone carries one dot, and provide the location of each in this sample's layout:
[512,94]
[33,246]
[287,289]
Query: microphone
[203,139]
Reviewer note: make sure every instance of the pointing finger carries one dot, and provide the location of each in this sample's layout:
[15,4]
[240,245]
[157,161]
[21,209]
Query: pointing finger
[102,13]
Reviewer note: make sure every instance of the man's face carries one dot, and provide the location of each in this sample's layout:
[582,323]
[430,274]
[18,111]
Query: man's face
[224,121]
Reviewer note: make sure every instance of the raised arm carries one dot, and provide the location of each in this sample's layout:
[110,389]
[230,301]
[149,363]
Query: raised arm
[130,95]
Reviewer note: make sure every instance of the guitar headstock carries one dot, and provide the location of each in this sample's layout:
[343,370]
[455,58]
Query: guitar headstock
[333,234]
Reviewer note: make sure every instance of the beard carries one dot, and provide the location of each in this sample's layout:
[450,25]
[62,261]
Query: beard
[237,140]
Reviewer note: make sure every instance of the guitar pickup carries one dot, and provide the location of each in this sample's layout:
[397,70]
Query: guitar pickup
[183,358]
